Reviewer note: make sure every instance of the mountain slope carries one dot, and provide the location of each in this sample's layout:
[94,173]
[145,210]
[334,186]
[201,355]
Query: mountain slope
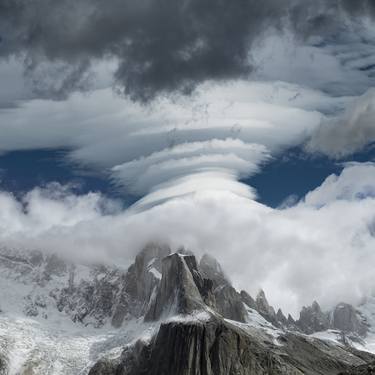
[165,314]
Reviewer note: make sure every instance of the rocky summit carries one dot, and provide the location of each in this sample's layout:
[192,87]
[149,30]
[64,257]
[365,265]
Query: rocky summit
[168,313]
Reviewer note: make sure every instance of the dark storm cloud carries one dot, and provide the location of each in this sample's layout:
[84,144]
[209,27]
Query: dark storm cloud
[327,19]
[355,7]
[160,45]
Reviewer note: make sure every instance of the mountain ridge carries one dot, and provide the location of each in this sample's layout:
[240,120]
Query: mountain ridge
[173,293]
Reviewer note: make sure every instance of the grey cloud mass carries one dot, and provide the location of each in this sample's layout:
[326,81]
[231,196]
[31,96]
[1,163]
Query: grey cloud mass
[161,46]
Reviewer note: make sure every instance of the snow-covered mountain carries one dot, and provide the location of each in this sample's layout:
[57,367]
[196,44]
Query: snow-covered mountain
[166,314]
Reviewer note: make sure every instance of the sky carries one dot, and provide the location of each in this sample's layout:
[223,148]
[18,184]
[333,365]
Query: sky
[242,129]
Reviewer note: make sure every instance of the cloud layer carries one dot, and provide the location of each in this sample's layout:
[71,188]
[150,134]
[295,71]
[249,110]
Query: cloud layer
[159,45]
[313,250]
[325,51]
[233,128]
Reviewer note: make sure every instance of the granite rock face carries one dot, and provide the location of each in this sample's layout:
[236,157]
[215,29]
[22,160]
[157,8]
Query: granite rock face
[184,289]
[106,367]
[313,319]
[229,303]
[215,347]
[281,318]
[265,309]
[248,300]
[177,292]
[207,348]
[144,276]
[361,370]
[347,319]
[223,298]
[344,317]
[219,293]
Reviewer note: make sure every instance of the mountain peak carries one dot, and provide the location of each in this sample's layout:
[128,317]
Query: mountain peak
[177,292]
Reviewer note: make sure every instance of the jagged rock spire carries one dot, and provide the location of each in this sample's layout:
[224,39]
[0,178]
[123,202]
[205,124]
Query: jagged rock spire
[224,298]
[281,317]
[177,292]
[312,319]
[291,321]
[211,269]
[265,309]
[248,300]
[348,320]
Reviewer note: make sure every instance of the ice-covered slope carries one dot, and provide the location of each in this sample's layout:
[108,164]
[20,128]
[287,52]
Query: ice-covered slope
[34,347]
[59,318]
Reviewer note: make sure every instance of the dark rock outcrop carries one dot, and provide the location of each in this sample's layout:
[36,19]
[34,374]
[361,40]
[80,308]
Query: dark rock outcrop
[106,367]
[344,317]
[313,319]
[347,319]
[3,365]
[291,324]
[248,300]
[368,369]
[262,306]
[177,292]
[144,275]
[184,289]
[281,318]
[215,347]
[223,298]
[264,309]
[207,348]
[229,303]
